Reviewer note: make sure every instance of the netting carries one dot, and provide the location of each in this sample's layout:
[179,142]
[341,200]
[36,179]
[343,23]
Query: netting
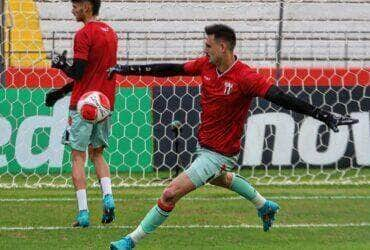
[315,50]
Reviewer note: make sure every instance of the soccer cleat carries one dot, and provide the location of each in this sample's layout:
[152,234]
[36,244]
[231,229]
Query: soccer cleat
[108,209]
[82,219]
[267,214]
[126,243]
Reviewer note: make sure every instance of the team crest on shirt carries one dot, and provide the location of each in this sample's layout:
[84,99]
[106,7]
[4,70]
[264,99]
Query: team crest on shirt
[228,88]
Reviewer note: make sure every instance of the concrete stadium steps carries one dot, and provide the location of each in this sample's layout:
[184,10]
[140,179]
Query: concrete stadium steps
[173,10]
[195,25]
[156,16]
[228,10]
[25,35]
[159,25]
[343,26]
[250,46]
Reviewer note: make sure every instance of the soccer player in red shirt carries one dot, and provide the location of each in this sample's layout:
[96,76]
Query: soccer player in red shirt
[95,51]
[228,87]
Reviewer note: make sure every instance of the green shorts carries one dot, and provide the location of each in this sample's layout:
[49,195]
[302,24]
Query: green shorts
[209,165]
[79,133]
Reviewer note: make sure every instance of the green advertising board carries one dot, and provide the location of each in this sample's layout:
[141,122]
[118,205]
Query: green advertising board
[30,132]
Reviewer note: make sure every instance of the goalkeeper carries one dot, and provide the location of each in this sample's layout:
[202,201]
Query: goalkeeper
[228,87]
[95,50]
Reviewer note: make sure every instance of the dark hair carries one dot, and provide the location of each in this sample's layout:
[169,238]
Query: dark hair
[95,4]
[224,32]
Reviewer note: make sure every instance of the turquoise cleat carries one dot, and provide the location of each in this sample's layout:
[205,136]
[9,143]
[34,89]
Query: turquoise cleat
[108,209]
[126,243]
[267,214]
[82,219]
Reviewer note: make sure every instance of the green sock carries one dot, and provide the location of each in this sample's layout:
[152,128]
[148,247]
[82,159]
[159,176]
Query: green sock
[242,187]
[154,218]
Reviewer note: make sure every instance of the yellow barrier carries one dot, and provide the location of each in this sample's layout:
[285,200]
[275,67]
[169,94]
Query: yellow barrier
[24,39]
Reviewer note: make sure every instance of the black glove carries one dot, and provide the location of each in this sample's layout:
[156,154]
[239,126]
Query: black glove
[53,96]
[116,69]
[59,61]
[333,120]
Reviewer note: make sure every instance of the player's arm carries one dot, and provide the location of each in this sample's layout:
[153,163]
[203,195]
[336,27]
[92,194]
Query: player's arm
[189,68]
[159,70]
[55,94]
[74,71]
[332,120]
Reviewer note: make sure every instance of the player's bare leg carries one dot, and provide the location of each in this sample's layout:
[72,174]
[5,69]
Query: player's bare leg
[178,188]
[102,172]
[266,209]
[79,181]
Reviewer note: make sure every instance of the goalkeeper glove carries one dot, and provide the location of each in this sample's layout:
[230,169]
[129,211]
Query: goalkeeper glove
[59,61]
[116,69]
[53,96]
[333,120]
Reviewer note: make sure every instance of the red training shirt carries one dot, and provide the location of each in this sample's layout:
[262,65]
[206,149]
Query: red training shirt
[225,101]
[95,43]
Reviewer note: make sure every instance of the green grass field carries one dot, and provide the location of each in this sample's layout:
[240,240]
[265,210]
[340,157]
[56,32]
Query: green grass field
[311,217]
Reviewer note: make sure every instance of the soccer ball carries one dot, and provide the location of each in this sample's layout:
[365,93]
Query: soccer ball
[93,106]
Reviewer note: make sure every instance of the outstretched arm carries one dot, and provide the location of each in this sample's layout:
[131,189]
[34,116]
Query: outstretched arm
[160,70]
[332,120]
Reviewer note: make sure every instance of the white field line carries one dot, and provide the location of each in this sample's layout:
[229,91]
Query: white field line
[319,197]
[195,226]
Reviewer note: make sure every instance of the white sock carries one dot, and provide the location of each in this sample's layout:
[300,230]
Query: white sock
[81,199]
[137,234]
[258,201]
[106,185]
